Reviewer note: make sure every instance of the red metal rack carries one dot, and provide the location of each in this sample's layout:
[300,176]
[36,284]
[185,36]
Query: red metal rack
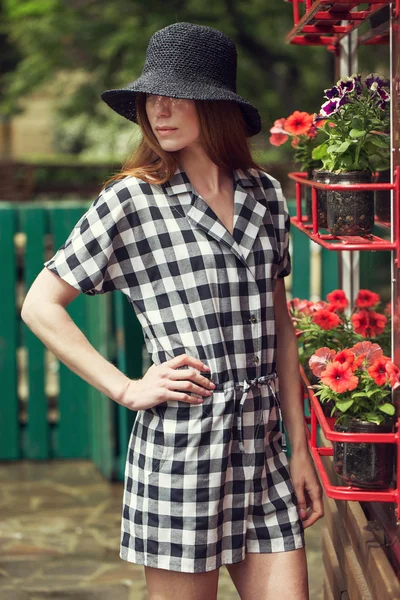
[322,22]
[346,492]
[331,242]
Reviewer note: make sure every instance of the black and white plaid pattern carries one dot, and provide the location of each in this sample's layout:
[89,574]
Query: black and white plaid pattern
[193,500]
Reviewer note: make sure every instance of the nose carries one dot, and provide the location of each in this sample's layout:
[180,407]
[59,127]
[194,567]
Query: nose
[162,105]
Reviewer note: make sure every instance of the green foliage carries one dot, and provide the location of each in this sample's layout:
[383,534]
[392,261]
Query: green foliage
[359,139]
[101,45]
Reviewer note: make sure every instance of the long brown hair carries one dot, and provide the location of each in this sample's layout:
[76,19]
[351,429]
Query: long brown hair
[223,135]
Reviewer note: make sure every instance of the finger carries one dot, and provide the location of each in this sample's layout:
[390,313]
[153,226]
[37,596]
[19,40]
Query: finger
[301,499]
[193,376]
[189,387]
[182,397]
[185,359]
[311,519]
[315,503]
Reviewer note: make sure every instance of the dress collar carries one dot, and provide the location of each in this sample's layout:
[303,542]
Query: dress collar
[179,182]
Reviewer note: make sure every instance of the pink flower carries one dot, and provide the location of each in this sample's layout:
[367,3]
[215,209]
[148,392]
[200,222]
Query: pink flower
[320,359]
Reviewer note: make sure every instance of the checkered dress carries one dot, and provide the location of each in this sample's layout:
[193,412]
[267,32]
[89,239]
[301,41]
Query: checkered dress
[204,484]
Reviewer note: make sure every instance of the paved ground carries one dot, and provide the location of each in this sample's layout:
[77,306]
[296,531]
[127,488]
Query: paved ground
[59,537]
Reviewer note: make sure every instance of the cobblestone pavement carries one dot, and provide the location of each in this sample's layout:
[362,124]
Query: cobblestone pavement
[59,537]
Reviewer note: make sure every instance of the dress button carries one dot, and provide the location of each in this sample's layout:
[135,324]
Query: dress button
[253,319]
[255,358]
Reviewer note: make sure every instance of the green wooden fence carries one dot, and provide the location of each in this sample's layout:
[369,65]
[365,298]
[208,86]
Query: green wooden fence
[77,421]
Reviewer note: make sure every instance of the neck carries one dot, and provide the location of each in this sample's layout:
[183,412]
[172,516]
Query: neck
[202,172]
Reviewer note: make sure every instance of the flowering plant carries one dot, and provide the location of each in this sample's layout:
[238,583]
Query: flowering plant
[357,123]
[324,323]
[358,380]
[305,137]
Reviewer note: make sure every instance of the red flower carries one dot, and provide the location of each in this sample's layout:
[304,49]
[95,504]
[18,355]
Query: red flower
[314,306]
[299,307]
[295,142]
[345,356]
[277,139]
[338,299]
[325,319]
[371,352]
[360,322]
[298,122]
[320,359]
[377,323]
[394,374]
[278,126]
[388,309]
[367,299]
[378,370]
[339,377]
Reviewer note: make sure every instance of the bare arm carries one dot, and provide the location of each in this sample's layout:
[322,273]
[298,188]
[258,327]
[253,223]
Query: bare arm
[44,313]
[305,482]
[287,366]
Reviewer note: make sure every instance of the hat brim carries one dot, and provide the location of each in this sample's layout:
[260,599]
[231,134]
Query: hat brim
[123,100]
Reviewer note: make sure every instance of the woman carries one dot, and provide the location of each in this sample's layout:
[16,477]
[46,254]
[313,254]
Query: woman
[195,234]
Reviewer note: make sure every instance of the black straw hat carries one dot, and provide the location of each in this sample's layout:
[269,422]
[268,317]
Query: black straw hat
[190,61]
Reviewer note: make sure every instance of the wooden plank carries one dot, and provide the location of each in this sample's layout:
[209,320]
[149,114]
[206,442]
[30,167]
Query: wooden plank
[333,576]
[9,438]
[129,359]
[356,584]
[36,440]
[71,432]
[327,591]
[300,255]
[379,574]
[329,271]
[100,423]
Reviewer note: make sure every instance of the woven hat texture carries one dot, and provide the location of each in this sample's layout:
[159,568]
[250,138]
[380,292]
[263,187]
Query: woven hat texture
[185,60]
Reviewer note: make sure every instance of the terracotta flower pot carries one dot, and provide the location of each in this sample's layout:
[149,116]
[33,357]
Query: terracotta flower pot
[350,212]
[362,464]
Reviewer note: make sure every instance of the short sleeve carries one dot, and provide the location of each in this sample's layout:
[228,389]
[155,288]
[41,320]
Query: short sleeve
[285,265]
[90,258]
[279,213]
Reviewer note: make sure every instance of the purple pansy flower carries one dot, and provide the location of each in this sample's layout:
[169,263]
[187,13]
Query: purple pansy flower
[374,77]
[346,85]
[333,92]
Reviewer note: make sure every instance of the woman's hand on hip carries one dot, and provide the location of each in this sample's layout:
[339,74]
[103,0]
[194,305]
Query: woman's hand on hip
[165,382]
[307,488]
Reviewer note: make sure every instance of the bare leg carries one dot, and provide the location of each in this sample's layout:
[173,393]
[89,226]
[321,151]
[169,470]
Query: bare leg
[274,575]
[172,585]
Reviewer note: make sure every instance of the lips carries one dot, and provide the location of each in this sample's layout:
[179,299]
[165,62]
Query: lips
[165,128]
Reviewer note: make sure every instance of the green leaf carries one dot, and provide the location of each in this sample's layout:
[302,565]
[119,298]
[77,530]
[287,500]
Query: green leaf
[380,140]
[357,133]
[389,409]
[357,123]
[343,147]
[347,160]
[344,405]
[320,151]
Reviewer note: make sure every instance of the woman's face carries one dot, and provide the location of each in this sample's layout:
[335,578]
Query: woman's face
[178,115]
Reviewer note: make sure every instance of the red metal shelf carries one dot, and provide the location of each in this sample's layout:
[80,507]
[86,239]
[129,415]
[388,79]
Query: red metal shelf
[345,492]
[331,242]
[322,22]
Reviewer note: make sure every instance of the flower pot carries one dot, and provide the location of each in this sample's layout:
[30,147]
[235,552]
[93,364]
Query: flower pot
[382,198]
[321,176]
[309,374]
[307,196]
[338,449]
[350,212]
[361,464]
